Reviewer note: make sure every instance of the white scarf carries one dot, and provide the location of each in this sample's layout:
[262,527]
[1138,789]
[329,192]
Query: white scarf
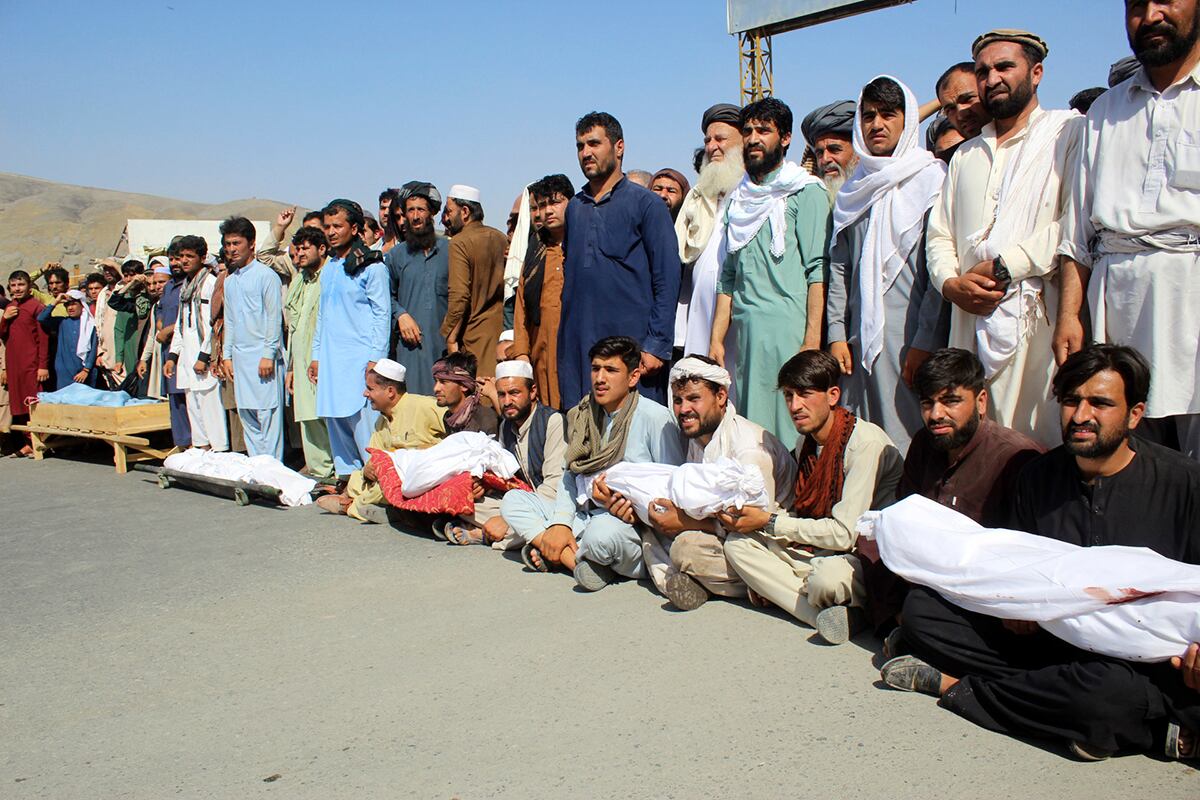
[751,204]
[1023,190]
[518,246]
[87,325]
[897,190]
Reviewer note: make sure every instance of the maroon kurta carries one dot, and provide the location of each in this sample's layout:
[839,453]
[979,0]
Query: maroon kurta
[25,352]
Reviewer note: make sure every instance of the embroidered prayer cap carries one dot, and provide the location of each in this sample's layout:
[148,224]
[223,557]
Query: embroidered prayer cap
[161,270]
[1123,70]
[392,370]
[506,336]
[1010,35]
[161,261]
[836,118]
[460,191]
[514,369]
[674,175]
[721,112]
[691,367]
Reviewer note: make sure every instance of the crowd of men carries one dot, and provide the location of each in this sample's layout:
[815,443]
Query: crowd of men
[1004,318]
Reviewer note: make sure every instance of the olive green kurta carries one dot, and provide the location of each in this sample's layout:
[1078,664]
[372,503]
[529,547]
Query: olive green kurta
[303,299]
[770,304]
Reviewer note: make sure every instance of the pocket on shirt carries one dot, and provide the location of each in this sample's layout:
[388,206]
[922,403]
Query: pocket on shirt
[1186,172]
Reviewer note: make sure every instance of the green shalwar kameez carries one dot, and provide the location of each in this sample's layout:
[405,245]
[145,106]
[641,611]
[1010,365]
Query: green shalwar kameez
[303,299]
[770,304]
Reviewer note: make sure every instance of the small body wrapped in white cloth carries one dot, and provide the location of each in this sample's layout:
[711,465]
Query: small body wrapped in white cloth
[467,451]
[698,490]
[1124,602]
[294,488]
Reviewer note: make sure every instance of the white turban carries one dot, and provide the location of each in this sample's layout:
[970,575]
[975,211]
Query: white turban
[75,294]
[514,369]
[691,367]
[392,370]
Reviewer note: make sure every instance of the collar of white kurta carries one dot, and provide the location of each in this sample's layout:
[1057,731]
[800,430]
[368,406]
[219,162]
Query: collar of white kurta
[751,204]
[1025,188]
[896,191]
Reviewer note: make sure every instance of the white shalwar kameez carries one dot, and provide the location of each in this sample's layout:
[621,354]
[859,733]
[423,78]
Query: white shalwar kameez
[1019,388]
[1135,221]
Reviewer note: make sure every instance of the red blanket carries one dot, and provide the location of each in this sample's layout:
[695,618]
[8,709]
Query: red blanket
[452,496]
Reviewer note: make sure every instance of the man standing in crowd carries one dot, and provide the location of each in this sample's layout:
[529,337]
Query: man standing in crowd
[131,302]
[539,291]
[353,325]
[310,249]
[701,238]
[1101,487]
[1137,196]
[252,350]
[26,348]
[942,139]
[456,389]
[475,305]
[883,313]
[419,268]
[168,314]
[76,351]
[829,131]
[714,430]
[190,348]
[958,93]
[622,266]
[772,286]
[672,187]
[613,423]
[992,238]
[403,420]
[802,562]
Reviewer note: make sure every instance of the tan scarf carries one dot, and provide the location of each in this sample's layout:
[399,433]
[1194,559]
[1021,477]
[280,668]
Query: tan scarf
[587,452]
[821,477]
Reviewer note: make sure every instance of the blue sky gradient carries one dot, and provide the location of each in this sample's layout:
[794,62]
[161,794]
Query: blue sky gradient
[213,100]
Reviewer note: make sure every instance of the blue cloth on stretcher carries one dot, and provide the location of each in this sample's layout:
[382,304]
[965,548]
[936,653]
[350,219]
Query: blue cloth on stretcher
[77,394]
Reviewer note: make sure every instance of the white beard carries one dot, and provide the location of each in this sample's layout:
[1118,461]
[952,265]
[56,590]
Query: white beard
[719,178]
[835,183]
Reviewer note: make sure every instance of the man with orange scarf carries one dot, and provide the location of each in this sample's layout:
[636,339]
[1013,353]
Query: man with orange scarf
[802,561]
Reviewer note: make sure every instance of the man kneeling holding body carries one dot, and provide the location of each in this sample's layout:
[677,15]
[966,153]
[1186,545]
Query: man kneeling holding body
[802,562]
[697,565]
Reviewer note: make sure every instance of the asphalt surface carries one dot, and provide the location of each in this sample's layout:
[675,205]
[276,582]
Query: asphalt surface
[171,644]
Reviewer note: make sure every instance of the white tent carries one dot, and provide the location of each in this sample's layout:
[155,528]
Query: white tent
[145,236]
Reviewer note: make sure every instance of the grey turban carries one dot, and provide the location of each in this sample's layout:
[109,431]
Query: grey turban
[721,112]
[834,118]
[1123,70]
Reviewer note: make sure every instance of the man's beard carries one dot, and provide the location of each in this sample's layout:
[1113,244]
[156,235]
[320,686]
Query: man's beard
[1014,104]
[771,160]
[1175,46]
[719,178]
[953,441]
[835,183]
[707,426]
[1101,447]
[419,241]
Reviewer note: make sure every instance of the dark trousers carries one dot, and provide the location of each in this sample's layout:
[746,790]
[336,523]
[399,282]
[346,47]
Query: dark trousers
[181,428]
[1039,686]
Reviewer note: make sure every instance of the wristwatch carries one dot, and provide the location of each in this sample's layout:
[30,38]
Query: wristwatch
[770,526]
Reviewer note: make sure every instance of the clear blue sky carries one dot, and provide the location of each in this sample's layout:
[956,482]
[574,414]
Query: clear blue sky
[301,101]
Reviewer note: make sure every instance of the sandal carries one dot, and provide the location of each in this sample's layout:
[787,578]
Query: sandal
[527,557]
[1174,746]
[461,535]
[438,527]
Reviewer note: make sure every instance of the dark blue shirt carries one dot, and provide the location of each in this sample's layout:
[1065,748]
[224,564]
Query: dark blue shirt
[168,314]
[621,277]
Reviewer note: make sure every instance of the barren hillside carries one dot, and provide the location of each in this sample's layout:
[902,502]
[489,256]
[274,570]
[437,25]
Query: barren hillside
[44,221]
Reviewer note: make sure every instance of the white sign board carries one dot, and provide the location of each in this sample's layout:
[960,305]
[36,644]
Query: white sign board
[147,235]
[778,16]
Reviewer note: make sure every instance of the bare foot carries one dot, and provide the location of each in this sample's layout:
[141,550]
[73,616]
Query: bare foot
[758,600]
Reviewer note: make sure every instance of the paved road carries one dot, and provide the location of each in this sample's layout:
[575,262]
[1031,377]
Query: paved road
[164,643]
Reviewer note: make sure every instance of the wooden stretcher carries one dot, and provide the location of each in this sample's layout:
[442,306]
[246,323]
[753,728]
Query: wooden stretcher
[52,424]
[239,491]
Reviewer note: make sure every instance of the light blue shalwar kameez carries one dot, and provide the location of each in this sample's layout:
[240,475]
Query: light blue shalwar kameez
[653,437]
[254,331]
[353,326]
